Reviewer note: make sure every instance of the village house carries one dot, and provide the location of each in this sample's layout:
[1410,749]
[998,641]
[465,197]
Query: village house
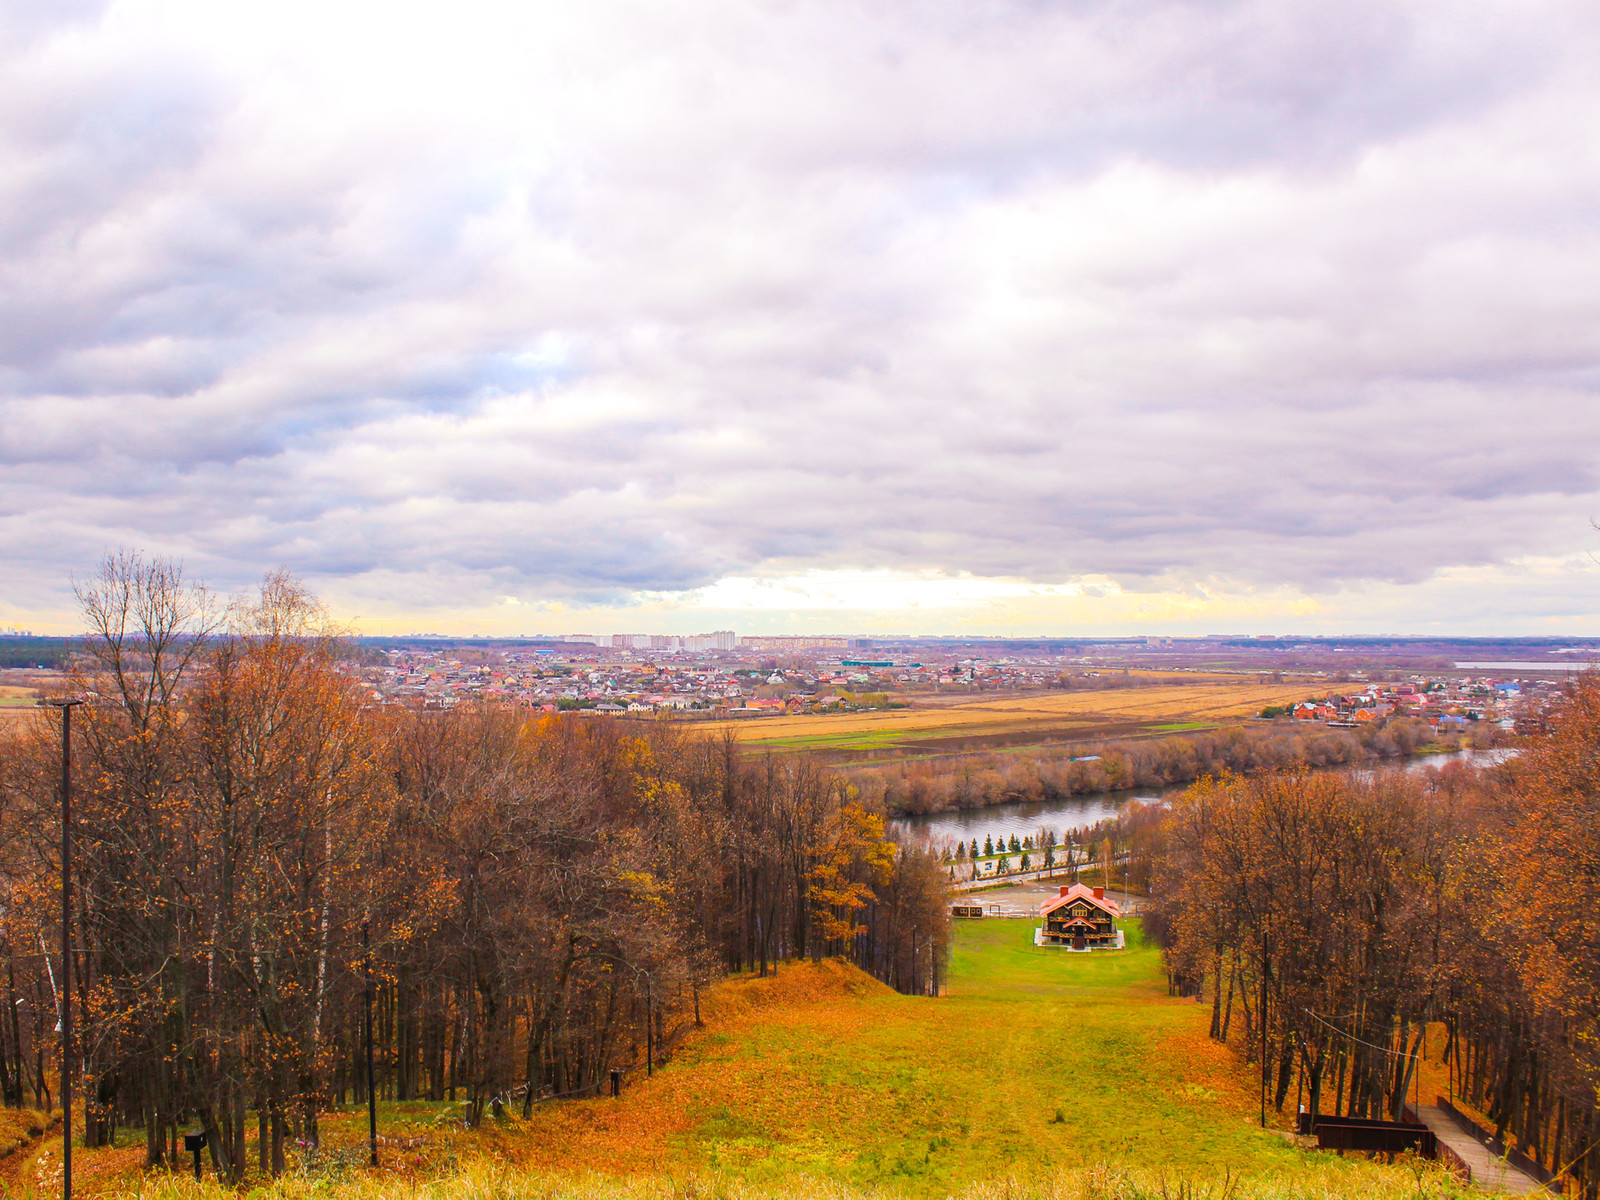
[1080,918]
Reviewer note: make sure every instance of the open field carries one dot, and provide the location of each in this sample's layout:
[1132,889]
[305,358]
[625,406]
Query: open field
[942,725]
[19,691]
[13,715]
[16,705]
[1036,1066]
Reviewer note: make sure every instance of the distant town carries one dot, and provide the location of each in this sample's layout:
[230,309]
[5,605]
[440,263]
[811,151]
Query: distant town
[724,675]
[1453,684]
[714,674]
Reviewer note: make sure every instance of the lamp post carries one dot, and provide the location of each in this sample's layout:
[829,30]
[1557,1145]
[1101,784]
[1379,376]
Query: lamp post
[372,1095]
[1262,1013]
[66,707]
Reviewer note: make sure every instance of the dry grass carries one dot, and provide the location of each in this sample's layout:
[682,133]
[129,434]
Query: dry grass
[1182,702]
[16,706]
[500,1181]
[16,717]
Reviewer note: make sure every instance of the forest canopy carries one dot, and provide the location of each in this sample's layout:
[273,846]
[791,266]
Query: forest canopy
[1348,918]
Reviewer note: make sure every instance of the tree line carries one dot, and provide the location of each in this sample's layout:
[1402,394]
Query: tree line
[266,857]
[981,780]
[1346,927]
[48,653]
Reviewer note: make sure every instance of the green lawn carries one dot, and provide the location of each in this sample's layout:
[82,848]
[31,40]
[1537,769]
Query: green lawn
[871,739]
[868,739]
[1097,1037]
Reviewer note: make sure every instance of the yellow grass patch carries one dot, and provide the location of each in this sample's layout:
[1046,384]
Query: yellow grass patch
[1182,701]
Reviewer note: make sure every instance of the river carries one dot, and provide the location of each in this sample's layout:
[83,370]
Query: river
[1570,667]
[1024,818]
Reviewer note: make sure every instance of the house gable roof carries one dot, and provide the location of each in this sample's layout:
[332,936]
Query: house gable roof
[1076,892]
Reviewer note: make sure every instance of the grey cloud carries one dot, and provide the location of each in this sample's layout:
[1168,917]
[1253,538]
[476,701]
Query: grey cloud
[1271,292]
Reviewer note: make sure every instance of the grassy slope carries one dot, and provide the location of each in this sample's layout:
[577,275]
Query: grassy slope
[821,1078]
[824,1073]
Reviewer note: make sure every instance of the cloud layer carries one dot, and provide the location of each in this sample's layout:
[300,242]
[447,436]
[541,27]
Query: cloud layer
[448,305]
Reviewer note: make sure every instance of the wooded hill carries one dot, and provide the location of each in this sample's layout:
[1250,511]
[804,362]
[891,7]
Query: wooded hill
[1369,912]
[530,902]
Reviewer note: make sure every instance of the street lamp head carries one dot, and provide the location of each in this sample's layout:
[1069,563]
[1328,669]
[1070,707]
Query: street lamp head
[60,702]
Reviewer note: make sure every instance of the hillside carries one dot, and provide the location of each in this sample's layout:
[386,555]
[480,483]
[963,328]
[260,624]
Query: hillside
[1036,1066]
[1035,1061]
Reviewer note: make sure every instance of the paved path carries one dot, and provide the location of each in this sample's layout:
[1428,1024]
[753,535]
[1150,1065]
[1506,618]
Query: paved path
[1487,1170]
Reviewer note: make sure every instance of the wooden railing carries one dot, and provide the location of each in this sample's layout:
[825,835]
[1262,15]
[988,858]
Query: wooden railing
[1496,1146]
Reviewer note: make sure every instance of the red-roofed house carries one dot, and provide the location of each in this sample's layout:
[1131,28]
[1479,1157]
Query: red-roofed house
[1080,918]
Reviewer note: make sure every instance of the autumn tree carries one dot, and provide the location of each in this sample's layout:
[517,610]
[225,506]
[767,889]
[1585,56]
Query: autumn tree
[528,902]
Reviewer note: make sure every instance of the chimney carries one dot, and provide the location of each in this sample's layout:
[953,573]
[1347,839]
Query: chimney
[1099,893]
[1065,890]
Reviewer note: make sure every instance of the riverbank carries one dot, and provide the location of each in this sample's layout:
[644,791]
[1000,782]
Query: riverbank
[1044,773]
[1005,819]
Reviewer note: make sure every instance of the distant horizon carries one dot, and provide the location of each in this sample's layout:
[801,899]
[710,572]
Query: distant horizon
[868,641]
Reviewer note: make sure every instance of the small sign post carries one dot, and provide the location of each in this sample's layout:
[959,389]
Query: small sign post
[194,1142]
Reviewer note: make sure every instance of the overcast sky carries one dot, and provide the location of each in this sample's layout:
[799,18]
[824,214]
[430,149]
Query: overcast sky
[1004,317]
